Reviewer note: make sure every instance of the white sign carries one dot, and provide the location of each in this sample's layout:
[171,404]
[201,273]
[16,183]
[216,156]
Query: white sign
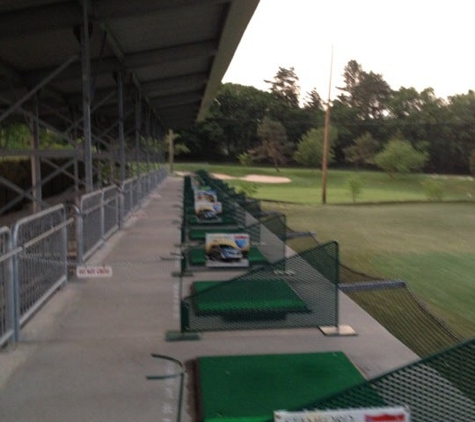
[139,214]
[376,414]
[94,272]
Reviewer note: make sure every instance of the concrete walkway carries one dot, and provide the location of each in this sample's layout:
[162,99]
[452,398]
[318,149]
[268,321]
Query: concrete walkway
[87,354]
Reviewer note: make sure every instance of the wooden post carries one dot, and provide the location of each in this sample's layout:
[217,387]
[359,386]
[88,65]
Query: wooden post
[325,137]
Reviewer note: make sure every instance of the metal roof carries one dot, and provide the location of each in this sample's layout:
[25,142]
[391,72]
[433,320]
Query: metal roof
[174,51]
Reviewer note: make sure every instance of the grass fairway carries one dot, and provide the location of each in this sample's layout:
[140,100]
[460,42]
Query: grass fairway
[431,246]
[305,185]
[395,234]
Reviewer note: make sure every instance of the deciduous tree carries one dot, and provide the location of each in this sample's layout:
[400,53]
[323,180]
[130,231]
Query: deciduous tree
[363,150]
[399,156]
[310,148]
[273,144]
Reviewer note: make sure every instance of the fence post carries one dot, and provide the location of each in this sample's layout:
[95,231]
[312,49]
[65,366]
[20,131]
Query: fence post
[79,236]
[16,311]
[103,216]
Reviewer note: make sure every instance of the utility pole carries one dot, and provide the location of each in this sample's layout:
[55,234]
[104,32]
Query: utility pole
[325,137]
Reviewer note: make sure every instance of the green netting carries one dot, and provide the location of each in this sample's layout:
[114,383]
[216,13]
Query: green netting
[440,387]
[323,260]
[397,309]
[308,241]
[252,206]
[304,293]
[258,297]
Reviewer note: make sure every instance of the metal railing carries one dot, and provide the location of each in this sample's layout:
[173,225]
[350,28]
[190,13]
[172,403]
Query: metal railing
[37,264]
[37,252]
[6,286]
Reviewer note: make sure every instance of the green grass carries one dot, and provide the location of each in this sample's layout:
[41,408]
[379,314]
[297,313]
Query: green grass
[306,184]
[429,245]
[392,232]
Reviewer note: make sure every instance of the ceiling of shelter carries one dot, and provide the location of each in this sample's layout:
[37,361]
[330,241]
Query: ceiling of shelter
[176,51]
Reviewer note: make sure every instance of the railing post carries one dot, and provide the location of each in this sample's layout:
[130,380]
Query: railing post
[16,311]
[120,190]
[79,236]
[103,216]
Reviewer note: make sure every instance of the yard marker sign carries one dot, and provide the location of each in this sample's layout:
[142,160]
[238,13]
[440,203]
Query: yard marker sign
[379,414]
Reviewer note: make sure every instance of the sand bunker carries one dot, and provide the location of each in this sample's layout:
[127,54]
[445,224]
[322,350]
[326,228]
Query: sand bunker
[254,178]
[265,179]
[249,178]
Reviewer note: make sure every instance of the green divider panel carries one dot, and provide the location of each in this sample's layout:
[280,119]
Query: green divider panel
[311,300]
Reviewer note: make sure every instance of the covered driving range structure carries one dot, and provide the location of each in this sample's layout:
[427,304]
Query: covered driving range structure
[110,78]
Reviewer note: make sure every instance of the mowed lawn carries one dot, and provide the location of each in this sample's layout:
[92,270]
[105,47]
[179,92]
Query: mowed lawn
[430,246]
[392,231]
[305,185]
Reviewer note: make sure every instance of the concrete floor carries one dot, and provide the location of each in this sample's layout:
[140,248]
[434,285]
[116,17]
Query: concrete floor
[86,355]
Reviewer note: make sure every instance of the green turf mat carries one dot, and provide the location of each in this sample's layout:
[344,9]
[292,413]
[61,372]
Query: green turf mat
[197,256]
[223,221]
[247,299]
[249,388]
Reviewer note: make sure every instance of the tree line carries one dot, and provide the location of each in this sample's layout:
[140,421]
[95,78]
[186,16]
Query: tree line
[370,125]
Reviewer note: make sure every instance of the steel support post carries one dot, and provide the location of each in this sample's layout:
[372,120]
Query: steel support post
[120,103]
[35,160]
[86,98]
[76,161]
[138,125]
[148,116]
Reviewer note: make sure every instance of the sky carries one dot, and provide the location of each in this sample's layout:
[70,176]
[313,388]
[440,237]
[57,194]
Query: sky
[411,43]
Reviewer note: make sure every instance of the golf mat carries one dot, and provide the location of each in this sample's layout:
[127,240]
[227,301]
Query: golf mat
[246,299]
[222,221]
[249,388]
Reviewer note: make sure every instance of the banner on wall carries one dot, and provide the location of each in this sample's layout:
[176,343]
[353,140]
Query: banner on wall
[227,249]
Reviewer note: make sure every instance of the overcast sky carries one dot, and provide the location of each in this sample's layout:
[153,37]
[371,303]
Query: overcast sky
[411,43]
